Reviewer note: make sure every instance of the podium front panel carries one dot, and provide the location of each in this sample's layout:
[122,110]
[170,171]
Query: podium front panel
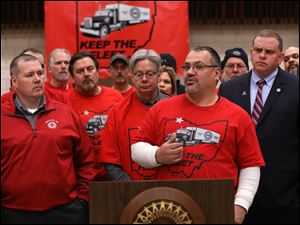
[168,201]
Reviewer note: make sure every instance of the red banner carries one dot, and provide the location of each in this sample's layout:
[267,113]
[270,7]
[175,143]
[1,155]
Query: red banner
[108,27]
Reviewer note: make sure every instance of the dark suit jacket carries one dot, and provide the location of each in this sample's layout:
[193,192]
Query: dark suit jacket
[278,134]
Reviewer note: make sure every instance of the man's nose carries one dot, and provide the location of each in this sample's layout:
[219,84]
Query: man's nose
[262,54]
[86,72]
[38,78]
[291,60]
[235,68]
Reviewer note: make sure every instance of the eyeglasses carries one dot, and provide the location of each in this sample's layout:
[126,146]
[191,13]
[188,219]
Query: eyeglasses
[232,66]
[258,50]
[149,74]
[197,67]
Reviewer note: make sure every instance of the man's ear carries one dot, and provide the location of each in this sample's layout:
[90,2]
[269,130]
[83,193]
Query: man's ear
[14,81]
[218,73]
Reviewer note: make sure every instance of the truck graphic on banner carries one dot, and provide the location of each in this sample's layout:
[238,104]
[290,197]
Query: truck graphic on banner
[113,17]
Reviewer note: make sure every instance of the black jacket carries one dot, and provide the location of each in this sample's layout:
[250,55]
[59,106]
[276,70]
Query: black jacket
[278,134]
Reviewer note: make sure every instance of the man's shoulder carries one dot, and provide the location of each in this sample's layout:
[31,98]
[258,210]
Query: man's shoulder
[286,76]
[170,101]
[7,96]
[109,90]
[234,85]
[236,81]
[55,103]
[233,107]
[59,109]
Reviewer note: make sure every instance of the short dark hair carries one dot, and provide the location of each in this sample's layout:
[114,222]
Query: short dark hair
[14,67]
[215,58]
[34,50]
[270,33]
[80,55]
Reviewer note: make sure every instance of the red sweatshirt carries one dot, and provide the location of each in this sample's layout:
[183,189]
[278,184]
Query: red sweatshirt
[47,165]
[55,95]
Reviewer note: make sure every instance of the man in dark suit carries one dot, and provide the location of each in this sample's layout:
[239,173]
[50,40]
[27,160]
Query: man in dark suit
[277,198]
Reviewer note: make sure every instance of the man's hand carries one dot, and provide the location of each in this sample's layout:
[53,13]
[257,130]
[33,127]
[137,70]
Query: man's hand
[170,152]
[239,214]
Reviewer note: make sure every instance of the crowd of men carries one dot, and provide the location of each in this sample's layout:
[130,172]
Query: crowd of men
[226,121]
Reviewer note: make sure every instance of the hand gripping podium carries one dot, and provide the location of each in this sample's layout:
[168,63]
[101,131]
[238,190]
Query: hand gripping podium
[162,202]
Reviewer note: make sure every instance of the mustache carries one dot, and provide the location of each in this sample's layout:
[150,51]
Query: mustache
[87,80]
[37,86]
[63,72]
[190,77]
[293,64]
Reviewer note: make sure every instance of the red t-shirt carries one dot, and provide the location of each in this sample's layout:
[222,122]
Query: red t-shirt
[219,139]
[121,126]
[127,93]
[93,112]
[49,86]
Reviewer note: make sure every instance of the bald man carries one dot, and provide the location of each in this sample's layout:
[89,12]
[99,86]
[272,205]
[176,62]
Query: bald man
[291,60]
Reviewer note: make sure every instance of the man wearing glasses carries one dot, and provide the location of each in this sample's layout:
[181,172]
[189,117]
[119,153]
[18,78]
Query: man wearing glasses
[125,118]
[235,63]
[201,135]
[119,74]
[271,96]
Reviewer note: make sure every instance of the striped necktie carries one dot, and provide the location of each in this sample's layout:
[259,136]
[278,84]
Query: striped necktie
[258,105]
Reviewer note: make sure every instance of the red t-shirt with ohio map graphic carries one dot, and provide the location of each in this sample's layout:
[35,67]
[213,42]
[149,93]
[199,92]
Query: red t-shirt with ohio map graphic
[93,112]
[219,140]
[121,126]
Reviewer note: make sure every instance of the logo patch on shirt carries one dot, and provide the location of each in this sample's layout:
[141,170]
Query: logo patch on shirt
[52,124]
[202,144]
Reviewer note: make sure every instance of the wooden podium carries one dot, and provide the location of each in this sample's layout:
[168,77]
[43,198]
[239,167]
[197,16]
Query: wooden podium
[158,202]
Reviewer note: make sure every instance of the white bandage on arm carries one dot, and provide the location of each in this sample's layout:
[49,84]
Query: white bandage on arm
[144,154]
[247,186]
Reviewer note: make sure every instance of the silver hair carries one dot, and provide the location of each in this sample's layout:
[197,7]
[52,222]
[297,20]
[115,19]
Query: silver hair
[55,51]
[143,54]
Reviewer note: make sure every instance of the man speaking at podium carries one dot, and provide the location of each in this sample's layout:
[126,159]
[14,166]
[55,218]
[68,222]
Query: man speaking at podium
[200,135]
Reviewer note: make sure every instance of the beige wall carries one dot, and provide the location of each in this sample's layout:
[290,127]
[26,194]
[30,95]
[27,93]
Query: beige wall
[223,37]
[12,43]
[220,37]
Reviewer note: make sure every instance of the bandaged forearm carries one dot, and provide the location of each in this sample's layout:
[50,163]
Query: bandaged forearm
[143,153]
[247,186]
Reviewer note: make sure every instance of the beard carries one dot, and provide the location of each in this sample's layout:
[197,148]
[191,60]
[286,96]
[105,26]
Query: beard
[192,89]
[63,76]
[294,69]
[191,85]
[120,80]
[89,85]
